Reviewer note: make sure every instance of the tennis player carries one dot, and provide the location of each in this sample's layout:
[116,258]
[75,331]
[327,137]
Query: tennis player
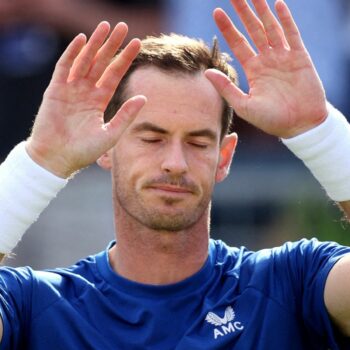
[164,284]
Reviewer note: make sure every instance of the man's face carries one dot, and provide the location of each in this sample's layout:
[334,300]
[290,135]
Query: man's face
[164,165]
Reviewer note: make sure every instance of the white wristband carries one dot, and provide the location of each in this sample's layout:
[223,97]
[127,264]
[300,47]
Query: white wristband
[325,150]
[25,190]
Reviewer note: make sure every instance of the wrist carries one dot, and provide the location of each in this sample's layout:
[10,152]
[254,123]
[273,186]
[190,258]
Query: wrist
[317,119]
[325,151]
[53,164]
[26,189]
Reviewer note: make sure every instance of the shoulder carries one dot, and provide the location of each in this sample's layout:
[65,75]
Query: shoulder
[68,282]
[305,248]
[287,266]
[46,286]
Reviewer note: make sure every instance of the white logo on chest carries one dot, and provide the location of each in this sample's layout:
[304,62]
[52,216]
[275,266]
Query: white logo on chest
[224,325]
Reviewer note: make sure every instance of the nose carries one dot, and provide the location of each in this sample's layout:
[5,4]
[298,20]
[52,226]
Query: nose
[174,159]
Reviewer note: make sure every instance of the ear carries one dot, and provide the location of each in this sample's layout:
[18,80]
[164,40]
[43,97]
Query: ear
[227,150]
[105,161]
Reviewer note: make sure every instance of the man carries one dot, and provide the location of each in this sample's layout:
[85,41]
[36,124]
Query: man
[164,284]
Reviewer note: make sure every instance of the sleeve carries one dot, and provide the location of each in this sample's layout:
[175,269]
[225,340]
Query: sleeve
[15,304]
[308,265]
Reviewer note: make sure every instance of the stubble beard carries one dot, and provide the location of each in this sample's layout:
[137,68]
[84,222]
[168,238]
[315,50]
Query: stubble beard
[167,217]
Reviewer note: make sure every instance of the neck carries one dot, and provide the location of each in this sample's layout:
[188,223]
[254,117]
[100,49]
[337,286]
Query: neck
[158,257]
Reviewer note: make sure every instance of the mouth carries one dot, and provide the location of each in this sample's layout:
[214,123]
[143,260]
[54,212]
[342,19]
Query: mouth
[170,189]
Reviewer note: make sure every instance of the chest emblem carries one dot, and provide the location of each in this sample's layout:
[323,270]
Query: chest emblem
[224,325]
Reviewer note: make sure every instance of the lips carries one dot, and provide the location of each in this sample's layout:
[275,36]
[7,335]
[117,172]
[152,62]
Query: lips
[172,185]
[171,189]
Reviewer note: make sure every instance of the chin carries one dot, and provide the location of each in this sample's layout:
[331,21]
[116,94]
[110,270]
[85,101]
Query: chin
[174,222]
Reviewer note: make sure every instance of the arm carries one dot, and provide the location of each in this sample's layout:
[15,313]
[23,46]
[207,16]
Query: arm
[286,99]
[337,295]
[69,132]
[23,182]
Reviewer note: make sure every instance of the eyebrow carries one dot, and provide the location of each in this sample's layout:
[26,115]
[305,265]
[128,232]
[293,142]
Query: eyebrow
[147,126]
[204,133]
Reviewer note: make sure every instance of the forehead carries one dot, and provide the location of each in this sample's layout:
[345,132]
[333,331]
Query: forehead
[176,100]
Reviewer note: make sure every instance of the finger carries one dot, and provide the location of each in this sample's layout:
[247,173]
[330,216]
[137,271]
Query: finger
[123,118]
[290,28]
[107,51]
[234,38]
[252,23]
[83,62]
[116,70]
[65,62]
[272,27]
[234,96]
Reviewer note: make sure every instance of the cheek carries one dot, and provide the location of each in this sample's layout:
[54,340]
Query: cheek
[135,171]
[205,166]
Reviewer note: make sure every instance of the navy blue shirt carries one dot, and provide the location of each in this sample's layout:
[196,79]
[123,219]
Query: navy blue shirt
[270,299]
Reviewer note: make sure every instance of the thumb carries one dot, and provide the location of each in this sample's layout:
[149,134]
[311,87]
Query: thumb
[234,96]
[124,117]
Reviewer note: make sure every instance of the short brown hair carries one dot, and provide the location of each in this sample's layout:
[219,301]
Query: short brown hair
[177,53]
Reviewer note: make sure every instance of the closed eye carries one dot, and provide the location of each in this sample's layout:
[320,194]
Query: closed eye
[198,145]
[151,140]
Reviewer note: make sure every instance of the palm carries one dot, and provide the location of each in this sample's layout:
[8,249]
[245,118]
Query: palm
[74,106]
[69,132]
[75,109]
[285,94]
[281,85]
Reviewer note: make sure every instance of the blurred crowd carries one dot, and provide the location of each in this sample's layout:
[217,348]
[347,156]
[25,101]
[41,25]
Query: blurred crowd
[34,33]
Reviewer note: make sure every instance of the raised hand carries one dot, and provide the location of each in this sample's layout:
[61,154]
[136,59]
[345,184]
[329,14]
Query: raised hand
[69,132]
[285,97]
